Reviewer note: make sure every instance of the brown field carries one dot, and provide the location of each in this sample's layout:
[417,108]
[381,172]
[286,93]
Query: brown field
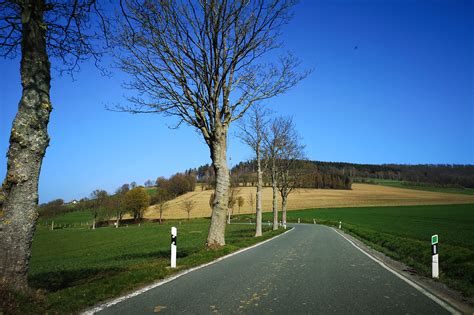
[361,195]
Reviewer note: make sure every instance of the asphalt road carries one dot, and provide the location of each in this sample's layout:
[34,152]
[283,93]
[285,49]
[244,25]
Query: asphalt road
[309,270]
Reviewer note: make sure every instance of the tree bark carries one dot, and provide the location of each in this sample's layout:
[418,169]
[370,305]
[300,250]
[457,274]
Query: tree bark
[28,142]
[258,223]
[275,196]
[218,147]
[284,200]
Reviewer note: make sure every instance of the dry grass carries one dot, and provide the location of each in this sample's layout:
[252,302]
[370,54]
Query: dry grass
[361,195]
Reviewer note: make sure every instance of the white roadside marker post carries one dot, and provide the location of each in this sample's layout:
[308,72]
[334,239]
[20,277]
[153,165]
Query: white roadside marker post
[314,221]
[434,255]
[299,220]
[174,234]
[52,225]
[340,224]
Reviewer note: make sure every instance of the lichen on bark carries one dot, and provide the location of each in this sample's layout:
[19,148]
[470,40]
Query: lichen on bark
[28,142]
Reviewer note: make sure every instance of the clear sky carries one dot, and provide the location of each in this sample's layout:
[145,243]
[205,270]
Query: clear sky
[404,95]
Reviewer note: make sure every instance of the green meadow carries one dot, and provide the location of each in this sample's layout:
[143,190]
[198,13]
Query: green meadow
[75,268]
[70,219]
[421,186]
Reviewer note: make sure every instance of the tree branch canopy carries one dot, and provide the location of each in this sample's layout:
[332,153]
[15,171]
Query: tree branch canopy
[254,128]
[291,153]
[202,61]
[72,34]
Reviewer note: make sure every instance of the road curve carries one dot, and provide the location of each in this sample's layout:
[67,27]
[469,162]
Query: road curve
[309,270]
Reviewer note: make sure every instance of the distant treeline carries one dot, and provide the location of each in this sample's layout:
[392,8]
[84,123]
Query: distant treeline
[442,175]
[340,175]
[309,175]
[54,208]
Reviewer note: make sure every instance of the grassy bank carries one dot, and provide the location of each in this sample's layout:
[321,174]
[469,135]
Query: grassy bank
[77,268]
[403,233]
[420,186]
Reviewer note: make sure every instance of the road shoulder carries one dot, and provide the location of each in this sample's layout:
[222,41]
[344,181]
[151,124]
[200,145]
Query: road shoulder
[439,290]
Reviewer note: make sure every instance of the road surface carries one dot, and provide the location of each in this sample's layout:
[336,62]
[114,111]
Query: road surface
[310,270]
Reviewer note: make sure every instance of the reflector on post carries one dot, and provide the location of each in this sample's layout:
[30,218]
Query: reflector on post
[174,234]
[434,256]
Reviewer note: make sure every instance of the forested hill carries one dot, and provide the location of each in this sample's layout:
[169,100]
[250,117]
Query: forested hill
[448,175]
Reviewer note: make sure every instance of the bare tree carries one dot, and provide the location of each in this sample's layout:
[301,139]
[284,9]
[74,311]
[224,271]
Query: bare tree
[233,192]
[288,167]
[274,142]
[253,131]
[251,200]
[42,29]
[188,206]
[116,204]
[98,202]
[162,207]
[119,211]
[240,202]
[200,61]
[162,196]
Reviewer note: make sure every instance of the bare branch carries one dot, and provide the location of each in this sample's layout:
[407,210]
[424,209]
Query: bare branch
[76,30]
[199,60]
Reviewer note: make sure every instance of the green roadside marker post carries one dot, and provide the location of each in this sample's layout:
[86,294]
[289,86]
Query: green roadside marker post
[434,257]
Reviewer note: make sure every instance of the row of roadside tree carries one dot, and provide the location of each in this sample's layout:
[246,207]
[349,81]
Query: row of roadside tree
[127,199]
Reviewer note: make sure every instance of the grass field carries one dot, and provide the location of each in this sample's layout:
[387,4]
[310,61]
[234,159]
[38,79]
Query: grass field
[421,186]
[404,233]
[70,219]
[361,195]
[77,268]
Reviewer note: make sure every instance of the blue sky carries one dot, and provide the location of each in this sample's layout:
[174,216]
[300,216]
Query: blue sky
[405,95]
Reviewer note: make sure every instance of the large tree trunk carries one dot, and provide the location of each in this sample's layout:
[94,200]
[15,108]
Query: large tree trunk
[284,199]
[275,196]
[28,142]
[258,223]
[218,147]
